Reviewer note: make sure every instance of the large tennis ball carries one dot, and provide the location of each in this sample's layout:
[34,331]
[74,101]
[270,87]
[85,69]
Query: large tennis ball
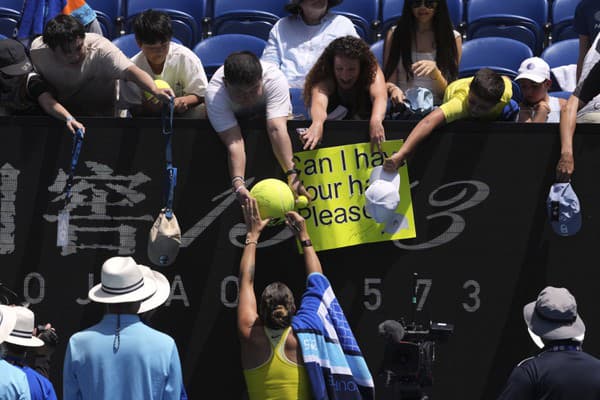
[159,84]
[274,197]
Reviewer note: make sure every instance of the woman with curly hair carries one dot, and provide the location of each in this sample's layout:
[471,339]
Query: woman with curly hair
[345,83]
[421,50]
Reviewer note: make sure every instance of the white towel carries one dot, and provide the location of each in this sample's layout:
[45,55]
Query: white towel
[566,77]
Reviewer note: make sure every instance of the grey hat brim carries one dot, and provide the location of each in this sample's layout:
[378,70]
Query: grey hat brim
[24,67]
[550,330]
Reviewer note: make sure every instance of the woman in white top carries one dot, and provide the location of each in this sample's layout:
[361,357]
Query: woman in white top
[296,41]
[421,50]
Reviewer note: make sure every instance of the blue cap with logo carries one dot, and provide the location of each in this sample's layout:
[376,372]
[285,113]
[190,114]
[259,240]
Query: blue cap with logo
[564,209]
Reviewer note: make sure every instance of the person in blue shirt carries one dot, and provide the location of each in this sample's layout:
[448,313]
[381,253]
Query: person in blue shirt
[17,343]
[13,382]
[121,357]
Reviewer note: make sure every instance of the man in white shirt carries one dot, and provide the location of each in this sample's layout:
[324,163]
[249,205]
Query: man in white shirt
[84,67]
[246,88]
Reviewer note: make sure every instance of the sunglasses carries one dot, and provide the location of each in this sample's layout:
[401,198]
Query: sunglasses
[426,3]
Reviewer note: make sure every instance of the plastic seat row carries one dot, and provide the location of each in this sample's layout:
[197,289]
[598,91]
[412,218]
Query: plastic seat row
[528,21]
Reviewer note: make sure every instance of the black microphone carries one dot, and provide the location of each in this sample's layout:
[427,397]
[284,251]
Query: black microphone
[391,330]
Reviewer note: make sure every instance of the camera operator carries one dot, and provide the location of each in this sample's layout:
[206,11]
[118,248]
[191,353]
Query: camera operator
[562,370]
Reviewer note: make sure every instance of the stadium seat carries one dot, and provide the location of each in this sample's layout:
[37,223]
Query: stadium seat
[521,20]
[256,19]
[213,50]
[391,10]
[298,108]
[364,14]
[2,37]
[456,10]
[563,12]
[128,45]
[561,94]
[10,14]
[561,53]
[187,16]
[502,55]
[110,16]
[377,49]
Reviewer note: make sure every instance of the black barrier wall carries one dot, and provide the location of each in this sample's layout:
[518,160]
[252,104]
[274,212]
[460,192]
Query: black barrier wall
[483,247]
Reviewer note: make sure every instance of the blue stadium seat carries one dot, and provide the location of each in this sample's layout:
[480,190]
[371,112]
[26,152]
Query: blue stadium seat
[10,14]
[128,45]
[521,20]
[2,37]
[561,94]
[364,14]
[110,16]
[502,55]
[456,10]
[391,10]
[563,12]
[187,16]
[256,19]
[560,53]
[298,106]
[213,50]
[377,49]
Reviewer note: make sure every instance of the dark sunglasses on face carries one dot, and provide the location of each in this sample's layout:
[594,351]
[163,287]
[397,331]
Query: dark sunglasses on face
[426,3]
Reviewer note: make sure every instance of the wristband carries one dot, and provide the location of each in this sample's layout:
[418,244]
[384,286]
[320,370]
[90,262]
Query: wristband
[238,178]
[69,118]
[248,241]
[306,243]
[292,171]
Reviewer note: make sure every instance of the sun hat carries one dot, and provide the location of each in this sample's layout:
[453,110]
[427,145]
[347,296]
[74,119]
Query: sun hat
[22,333]
[564,209]
[163,290]
[535,69]
[123,281]
[8,319]
[553,316]
[382,198]
[13,59]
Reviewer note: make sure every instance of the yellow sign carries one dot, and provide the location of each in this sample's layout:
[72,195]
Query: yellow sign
[337,178]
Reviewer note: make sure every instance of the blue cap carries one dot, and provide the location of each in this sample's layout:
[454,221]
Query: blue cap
[564,211]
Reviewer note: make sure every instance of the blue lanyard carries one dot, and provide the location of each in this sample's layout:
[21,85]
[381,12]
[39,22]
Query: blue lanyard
[167,130]
[77,142]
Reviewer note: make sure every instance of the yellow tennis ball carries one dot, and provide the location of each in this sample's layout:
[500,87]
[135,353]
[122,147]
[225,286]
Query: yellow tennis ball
[301,201]
[159,84]
[274,197]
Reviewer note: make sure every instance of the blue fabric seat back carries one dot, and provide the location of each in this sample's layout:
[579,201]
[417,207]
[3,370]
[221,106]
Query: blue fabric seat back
[128,45]
[109,14]
[563,12]
[255,19]
[391,10]
[213,50]
[377,49]
[502,55]
[561,53]
[521,20]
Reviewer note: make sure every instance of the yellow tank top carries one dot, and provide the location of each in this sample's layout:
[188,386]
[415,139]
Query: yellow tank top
[278,378]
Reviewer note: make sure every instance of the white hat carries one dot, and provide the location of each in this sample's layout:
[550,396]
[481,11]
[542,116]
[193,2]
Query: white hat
[382,199]
[123,281]
[534,69]
[8,319]
[163,290]
[22,333]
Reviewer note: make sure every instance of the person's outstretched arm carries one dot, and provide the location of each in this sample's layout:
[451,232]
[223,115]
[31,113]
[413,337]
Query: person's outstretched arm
[298,226]
[247,311]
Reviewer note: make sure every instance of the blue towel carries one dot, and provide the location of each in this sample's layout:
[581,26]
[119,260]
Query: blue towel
[333,360]
[35,14]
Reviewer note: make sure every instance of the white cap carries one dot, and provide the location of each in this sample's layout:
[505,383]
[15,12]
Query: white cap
[382,199]
[534,69]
